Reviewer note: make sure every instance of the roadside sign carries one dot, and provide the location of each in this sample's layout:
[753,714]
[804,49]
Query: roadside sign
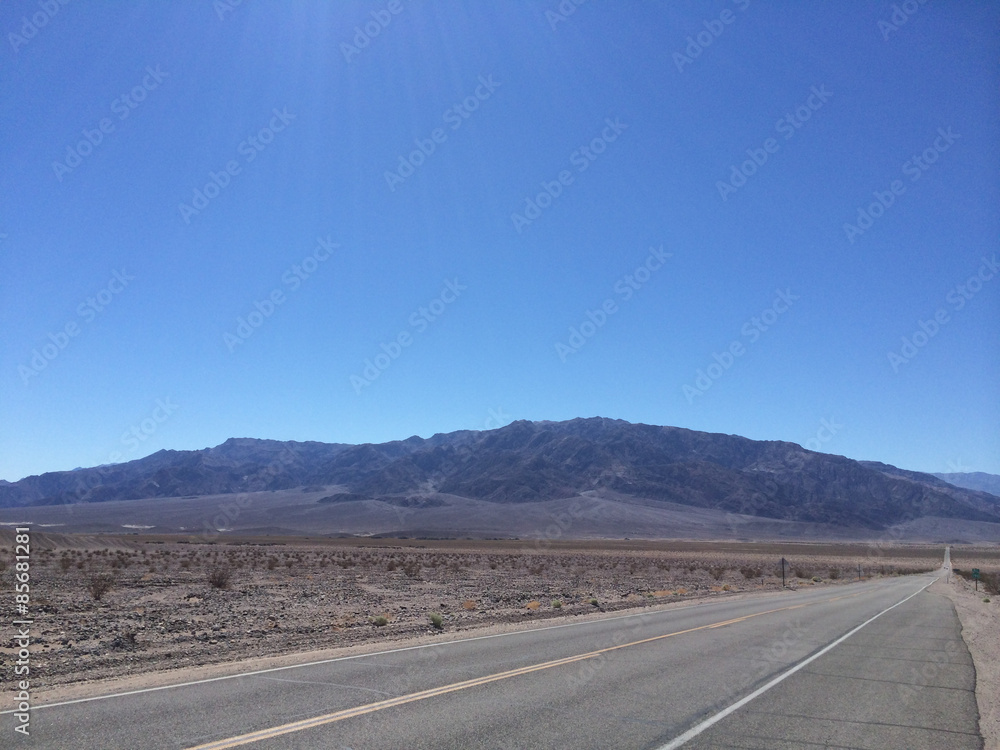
[975,573]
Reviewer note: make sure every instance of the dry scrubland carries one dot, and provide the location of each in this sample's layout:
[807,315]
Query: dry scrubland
[987,559]
[125,605]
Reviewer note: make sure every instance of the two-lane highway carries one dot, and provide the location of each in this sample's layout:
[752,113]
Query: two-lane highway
[879,664]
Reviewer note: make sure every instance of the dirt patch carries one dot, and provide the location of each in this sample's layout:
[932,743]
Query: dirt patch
[981,632]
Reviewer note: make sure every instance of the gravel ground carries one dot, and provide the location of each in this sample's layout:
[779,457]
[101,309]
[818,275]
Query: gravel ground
[981,632]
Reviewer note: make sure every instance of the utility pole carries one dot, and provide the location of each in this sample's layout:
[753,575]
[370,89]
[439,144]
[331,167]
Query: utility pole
[782,572]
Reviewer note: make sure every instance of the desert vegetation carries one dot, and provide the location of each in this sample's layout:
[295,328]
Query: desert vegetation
[153,603]
[986,558]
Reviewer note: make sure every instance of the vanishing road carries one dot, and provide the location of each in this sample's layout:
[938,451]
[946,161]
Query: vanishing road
[878,664]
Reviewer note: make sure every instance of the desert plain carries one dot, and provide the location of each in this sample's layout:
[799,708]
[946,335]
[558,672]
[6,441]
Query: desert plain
[111,606]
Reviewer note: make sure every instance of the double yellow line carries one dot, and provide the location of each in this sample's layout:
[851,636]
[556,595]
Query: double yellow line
[350,713]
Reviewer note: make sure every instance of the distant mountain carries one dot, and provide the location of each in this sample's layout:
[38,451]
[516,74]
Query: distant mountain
[533,462]
[237,465]
[974,480]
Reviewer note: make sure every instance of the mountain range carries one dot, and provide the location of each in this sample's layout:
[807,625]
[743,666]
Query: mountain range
[633,470]
[973,480]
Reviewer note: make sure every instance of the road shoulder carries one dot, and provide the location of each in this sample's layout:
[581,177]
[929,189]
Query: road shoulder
[981,633]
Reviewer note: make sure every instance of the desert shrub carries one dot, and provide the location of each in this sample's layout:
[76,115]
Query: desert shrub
[468,604]
[380,621]
[988,582]
[99,583]
[533,605]
[593,602]
[910,571]
[802,572]
[556,604]
[272,563]
[833,573]
[717,571]
[750,571]
[437,621]
[124,642]
[219,575]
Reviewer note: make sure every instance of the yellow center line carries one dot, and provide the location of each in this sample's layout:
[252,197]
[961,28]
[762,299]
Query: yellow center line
[298,726]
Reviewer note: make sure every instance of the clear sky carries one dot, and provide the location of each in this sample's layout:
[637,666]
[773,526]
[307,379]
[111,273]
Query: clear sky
[359,221]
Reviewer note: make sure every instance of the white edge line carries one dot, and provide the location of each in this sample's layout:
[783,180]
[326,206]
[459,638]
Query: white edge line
[699,728]
[362,656]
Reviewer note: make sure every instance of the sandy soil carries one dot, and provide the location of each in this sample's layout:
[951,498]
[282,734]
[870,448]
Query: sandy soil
[981,632]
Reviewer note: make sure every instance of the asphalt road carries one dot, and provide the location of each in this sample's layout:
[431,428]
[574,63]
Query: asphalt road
[800,669]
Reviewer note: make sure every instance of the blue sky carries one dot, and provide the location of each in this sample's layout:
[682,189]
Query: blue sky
[260,220]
